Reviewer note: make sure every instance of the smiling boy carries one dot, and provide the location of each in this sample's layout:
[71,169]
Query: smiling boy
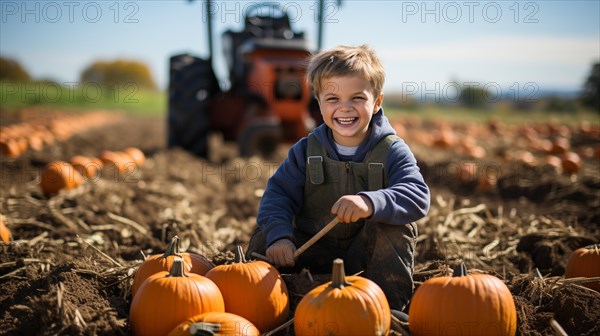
[354,167]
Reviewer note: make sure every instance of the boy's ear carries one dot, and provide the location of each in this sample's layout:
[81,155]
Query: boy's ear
[378,103]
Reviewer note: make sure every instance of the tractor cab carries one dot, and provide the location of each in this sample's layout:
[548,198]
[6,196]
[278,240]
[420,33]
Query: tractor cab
[271,29]
[268,100]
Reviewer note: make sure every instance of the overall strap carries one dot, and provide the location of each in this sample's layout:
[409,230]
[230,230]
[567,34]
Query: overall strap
[315,154]
[376,158]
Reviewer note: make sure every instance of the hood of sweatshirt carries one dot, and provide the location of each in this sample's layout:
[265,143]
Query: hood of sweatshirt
[378,128]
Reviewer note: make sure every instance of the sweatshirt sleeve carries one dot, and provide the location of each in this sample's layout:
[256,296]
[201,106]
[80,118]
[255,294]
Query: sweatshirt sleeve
[407,197]
[282,198]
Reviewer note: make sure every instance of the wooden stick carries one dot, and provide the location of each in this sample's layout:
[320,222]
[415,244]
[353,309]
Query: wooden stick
[259,256]
[281,327]
[306,245]
[316,237]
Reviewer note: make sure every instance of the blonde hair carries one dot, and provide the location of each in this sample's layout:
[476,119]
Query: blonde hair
[346,60]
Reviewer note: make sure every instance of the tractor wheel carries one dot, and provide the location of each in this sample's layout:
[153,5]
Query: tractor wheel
[260,138]
[191,88]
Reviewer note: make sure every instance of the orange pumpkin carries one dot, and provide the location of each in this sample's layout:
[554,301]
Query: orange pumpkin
[22,143]
[59,175]
[10,147]
[586,152]
[345,306]
[585,262]
[5,234]
[119,160]
[526,158]
[444,138]
[487,182]
[195,263]
[97,162]
[136,155]
[571,163]
[253,290]
[554,162]
[467,172]
[35,141]
[476,152]
[215,323]
[477,304]
[86,166]
[168,298]
[560,145]
[545,145]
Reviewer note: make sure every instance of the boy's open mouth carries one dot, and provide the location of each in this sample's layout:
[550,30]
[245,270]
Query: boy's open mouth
[346,121]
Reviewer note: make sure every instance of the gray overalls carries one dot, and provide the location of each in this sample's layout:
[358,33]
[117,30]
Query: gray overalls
[384,252]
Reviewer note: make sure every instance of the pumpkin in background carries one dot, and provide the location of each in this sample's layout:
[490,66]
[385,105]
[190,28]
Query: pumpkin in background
[571,163]
[253,290]
[553,161]
[525,157]
[444,137]
[5,234]
[9,147]
[136,155]
[476,152]
[86,166]
[194,263]
[585,262]
[118,160]
[166,299]
[34,141]
[59,175]
[215,323]
[345,306]
[560,145]
[22,143]
[477,304]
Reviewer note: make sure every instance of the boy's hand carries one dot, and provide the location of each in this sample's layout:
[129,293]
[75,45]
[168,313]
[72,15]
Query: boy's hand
[351,208]
[281,253]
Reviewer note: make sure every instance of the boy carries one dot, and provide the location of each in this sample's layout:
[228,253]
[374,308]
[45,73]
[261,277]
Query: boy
[354,167]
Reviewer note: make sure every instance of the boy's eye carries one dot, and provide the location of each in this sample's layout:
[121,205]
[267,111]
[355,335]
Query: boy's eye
[359,98]
[331,99]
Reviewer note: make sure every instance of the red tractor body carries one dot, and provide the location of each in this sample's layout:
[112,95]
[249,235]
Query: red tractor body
[268,101]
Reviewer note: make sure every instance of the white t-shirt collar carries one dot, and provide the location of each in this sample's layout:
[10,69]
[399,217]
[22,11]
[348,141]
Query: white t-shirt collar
[345,150]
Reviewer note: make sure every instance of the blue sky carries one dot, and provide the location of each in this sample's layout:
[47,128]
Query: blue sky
[424,45]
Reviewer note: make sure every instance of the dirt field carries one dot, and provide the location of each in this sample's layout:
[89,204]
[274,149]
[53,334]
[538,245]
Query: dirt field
[69,268]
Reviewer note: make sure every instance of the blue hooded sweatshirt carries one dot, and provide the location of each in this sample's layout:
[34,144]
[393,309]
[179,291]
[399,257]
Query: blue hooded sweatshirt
[404,200]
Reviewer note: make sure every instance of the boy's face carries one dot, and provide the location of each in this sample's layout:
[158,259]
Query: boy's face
[347,104]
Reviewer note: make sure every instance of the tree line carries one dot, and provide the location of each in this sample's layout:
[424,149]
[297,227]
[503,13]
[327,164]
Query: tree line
[121,72]
[116,73]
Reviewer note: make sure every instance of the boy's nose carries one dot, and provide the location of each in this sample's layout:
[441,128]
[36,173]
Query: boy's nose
[346,106]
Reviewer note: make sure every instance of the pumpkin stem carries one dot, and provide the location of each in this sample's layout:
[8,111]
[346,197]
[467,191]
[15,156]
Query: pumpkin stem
[178,268]
[338,275]
[173,248]
[204,329]
[239,256]
[459,269]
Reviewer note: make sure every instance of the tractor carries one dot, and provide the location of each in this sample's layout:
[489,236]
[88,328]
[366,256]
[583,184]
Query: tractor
[268,100]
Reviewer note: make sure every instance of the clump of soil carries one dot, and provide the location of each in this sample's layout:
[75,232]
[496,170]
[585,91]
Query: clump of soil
[539,300]
[73,297]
